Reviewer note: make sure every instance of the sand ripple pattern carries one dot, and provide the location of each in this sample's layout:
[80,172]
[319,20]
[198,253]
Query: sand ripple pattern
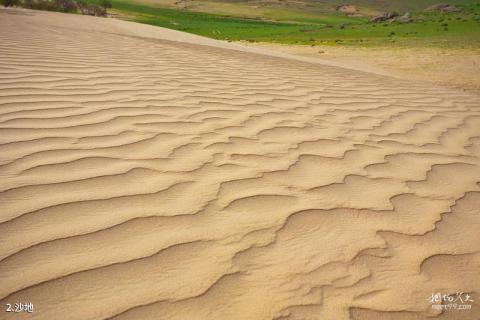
[144,178]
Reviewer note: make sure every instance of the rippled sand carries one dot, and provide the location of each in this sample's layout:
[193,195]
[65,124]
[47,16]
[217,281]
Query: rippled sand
[150,174]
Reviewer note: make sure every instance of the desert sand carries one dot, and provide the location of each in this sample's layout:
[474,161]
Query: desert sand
[151,174]
[457,68]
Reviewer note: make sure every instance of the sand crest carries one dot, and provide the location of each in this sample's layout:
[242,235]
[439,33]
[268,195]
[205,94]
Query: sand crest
[151,174]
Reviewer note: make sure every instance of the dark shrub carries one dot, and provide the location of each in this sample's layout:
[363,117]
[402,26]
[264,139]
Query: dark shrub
[105,4]
[66,5]
[10,3]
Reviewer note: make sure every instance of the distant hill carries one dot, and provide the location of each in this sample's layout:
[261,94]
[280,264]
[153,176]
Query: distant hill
[384,5]
[248,7]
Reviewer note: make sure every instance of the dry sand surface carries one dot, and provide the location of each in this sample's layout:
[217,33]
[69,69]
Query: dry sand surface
[456,68]
[151,174]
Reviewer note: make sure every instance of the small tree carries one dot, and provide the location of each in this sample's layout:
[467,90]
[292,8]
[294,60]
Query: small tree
[99,11]
[82,6]
[105,4]
[66,5]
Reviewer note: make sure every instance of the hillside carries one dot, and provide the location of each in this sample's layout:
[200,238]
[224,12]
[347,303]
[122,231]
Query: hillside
[259,7]
[327,22]
[312,22]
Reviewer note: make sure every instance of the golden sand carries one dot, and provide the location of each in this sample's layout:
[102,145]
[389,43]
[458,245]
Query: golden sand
[451,67]
[151,174]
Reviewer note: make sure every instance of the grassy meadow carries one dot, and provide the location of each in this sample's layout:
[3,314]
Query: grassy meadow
[307,22]
[311,25]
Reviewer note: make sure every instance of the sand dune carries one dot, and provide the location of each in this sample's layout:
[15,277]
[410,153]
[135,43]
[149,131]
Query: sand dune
[453,67]
[151,174]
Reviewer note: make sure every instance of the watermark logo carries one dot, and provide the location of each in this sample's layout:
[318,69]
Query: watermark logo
[19,307]
[457,301]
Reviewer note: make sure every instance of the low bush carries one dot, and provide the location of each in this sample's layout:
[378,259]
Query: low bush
[10,3]
[71,6]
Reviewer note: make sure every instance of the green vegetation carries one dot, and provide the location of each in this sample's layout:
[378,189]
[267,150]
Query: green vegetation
[451,29]
[306,22]
[90,7]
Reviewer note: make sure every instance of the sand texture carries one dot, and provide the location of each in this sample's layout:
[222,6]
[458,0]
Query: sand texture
[453,67]
[151,174]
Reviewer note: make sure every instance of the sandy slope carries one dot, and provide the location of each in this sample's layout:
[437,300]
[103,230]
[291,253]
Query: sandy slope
[456,68]
[147,176]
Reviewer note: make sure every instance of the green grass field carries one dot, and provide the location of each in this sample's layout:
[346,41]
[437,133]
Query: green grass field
[310,22]
[428,29]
